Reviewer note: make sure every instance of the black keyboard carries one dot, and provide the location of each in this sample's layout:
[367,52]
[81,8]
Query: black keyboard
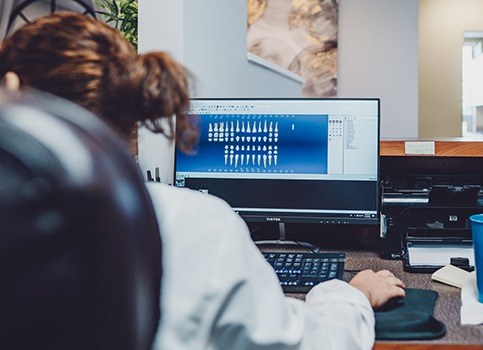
[299,272]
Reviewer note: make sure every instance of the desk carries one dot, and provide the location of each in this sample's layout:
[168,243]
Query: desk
[362,252]
[447,305]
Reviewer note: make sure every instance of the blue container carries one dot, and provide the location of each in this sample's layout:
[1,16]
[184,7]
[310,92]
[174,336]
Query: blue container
[477,232]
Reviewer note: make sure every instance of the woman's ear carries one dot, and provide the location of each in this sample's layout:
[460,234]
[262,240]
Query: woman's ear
[11,81]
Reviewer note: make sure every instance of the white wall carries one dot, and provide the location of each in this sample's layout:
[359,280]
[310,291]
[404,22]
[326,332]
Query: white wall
[160,28]
[378,45]
[378,57]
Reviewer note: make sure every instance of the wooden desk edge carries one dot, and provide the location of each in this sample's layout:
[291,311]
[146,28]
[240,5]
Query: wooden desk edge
[442,148]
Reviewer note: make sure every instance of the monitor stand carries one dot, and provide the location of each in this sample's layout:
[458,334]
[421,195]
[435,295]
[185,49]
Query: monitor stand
[282,241]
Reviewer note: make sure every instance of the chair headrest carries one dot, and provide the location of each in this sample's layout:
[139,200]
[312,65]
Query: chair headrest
[80,251]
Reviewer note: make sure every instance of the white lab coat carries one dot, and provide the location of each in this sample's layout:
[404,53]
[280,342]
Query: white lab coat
[219,293]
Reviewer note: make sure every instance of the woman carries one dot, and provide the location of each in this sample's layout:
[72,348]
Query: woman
[218,291]
[89,63]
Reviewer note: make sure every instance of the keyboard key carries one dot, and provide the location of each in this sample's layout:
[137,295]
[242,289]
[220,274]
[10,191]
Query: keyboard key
[300,272]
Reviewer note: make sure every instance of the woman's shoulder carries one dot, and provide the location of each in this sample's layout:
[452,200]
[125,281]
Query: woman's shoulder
[188,201]
[190,217]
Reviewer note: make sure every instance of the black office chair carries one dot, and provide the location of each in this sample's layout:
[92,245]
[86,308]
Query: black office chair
[80,251]
[86,6]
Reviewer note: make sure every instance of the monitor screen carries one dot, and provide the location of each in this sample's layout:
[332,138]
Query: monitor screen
[287,160]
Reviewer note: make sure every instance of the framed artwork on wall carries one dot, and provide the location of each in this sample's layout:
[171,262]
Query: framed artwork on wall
[297,39]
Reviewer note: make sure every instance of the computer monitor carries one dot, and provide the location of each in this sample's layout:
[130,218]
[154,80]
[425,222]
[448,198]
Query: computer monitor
[288,160]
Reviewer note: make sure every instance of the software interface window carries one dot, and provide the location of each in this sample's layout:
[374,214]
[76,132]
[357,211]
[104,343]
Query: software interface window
[286,155]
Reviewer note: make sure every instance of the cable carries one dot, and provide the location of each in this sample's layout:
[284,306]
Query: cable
[258,228]
[313,250]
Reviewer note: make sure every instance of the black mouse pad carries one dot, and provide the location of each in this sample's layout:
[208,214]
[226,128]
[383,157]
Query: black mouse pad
[410,318]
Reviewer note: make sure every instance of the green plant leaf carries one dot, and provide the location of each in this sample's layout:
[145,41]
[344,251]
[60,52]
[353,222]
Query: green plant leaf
[123,15]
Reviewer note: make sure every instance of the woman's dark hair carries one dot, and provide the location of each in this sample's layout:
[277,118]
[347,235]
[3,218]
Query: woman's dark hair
[86,61]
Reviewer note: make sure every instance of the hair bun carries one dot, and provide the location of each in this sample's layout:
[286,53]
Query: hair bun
[164,92]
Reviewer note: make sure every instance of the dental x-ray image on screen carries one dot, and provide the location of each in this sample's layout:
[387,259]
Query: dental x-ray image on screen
[287,160]
[290,144]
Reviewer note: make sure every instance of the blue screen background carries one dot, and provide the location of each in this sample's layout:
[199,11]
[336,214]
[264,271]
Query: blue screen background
[293,144]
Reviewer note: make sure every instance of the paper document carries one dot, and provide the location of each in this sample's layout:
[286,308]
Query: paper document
[452,275]
[419,147]
[471,308]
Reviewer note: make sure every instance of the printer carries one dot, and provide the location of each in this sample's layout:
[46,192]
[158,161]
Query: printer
[426,203]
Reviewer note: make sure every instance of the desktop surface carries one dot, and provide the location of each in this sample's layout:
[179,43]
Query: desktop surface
[448,304]
[361,246]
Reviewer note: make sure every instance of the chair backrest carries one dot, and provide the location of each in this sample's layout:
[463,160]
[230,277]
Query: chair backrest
[20,9]
[80,251]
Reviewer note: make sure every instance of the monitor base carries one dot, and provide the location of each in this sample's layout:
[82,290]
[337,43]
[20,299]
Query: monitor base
[282,241]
